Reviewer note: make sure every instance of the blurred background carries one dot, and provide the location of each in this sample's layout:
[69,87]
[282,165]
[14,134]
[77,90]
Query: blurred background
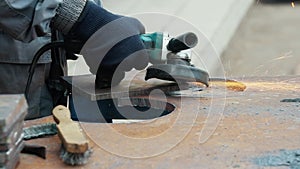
[250,37]
[267,41]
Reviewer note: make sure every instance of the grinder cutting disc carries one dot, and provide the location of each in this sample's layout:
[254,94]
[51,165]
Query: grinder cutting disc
[177,73]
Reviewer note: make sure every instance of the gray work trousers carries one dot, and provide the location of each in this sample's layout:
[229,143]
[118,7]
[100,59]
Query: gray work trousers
[13,80]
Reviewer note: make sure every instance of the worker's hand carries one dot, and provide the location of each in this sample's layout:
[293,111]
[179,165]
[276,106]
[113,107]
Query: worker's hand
[109,41]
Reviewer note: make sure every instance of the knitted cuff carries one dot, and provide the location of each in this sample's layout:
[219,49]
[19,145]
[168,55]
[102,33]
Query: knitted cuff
[67,14]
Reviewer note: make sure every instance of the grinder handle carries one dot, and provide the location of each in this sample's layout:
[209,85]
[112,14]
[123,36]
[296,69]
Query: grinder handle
[182,42]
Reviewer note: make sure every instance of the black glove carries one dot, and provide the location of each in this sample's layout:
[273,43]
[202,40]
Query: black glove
[114,37]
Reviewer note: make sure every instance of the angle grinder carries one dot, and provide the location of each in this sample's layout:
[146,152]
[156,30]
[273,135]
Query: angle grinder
[171,58]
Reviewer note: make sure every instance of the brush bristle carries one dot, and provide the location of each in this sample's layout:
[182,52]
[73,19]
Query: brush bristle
[74,158]
[38,131]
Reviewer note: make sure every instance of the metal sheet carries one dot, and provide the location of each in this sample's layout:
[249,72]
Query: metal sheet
[84,85]
[254,122]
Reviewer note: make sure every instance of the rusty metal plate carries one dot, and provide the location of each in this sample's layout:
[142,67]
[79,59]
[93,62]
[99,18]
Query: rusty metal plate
[251,125]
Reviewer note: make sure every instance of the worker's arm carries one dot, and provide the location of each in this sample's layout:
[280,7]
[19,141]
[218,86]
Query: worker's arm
[80,19]
[114,39]
[27,19]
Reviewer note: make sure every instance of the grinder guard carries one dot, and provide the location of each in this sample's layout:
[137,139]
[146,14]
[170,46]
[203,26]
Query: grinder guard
[175,64]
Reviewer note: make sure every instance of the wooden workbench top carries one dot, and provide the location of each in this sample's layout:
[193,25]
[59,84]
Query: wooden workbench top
[216,128]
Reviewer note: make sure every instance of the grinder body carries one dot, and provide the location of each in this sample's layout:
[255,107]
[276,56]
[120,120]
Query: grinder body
[171,58]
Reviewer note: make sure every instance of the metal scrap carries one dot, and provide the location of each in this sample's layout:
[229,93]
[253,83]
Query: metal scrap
[288,158]
[291,100]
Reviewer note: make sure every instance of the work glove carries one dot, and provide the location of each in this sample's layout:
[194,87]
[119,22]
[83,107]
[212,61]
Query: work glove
[108,40]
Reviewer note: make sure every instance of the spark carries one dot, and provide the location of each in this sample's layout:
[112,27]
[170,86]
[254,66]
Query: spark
[258,68]
[281,58]
[284,56]
[293,4]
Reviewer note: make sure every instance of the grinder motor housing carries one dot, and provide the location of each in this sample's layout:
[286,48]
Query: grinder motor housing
[171,58]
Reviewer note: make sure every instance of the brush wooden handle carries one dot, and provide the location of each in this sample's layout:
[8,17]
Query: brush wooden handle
[70,133]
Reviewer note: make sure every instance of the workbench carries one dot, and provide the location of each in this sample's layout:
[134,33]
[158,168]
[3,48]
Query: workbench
[215,128]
